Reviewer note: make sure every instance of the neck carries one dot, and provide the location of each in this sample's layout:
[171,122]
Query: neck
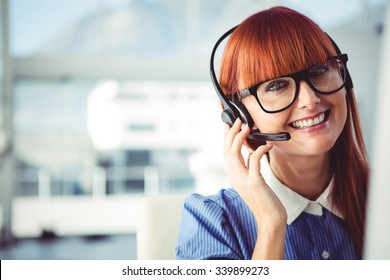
[307,176]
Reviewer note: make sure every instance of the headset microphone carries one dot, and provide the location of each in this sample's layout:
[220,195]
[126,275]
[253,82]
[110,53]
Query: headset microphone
[257,136]
[233,110]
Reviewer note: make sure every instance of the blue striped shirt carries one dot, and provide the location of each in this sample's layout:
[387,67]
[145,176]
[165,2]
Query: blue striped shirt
[223,227]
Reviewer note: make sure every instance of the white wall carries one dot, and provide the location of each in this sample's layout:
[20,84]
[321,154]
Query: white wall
[378,224]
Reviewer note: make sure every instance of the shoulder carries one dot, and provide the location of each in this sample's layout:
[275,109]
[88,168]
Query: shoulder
[224,200]
[208,228]
[216,213]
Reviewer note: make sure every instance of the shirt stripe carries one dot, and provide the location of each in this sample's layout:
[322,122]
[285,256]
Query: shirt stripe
[223,227]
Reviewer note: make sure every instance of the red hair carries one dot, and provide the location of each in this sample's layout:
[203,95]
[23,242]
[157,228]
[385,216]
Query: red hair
[280,41]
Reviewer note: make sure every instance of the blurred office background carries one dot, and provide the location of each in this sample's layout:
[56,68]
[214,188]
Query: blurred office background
[105,101]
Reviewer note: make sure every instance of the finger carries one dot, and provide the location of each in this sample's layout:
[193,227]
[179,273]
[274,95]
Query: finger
[234,156]
[254,159]
[239,139]
[234,152]
[226,129]
[247,160]
[231,133]
[235,164]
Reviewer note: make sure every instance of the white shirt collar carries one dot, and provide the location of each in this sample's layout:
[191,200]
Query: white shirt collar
[293,202]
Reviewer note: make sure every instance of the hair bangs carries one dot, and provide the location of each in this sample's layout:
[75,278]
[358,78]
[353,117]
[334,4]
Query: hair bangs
[270,44]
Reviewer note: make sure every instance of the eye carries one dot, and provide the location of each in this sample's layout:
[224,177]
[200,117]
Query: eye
[319,70]
[276,85]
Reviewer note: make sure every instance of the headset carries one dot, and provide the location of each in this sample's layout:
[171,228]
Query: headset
[233,109]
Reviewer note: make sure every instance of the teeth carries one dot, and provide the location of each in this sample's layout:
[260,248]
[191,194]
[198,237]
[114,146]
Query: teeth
[310,122]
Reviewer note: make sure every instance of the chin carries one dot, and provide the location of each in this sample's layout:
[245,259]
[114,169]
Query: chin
[318,148]
[303,149]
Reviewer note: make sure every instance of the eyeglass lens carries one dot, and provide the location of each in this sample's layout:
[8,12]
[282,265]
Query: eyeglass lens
[279,93]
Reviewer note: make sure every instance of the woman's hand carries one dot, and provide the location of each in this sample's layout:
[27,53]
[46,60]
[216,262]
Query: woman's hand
[266,207]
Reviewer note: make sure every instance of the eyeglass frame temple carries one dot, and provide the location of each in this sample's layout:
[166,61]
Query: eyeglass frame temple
[348,79]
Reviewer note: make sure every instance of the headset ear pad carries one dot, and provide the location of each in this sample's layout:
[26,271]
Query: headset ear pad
[246,118]
[228,116]
[244,114]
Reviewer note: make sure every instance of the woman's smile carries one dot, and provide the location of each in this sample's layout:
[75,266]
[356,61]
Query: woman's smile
[314,121]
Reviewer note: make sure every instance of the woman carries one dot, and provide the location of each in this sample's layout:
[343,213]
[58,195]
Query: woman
[298,199]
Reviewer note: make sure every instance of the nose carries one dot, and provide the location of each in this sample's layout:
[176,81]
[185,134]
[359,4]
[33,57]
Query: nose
[307,97]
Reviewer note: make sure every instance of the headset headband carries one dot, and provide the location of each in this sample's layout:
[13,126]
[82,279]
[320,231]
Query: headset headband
[230,110]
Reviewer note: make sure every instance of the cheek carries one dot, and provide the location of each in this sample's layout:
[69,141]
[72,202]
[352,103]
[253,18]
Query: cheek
[270,123]
[263,121]
[340,104]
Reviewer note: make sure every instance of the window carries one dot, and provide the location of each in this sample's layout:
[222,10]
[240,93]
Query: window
[107,103]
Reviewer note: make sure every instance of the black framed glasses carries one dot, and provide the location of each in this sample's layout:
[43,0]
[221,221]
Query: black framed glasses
[278,94]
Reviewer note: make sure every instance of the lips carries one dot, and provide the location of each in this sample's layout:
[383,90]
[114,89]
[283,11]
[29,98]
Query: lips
[311,121]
